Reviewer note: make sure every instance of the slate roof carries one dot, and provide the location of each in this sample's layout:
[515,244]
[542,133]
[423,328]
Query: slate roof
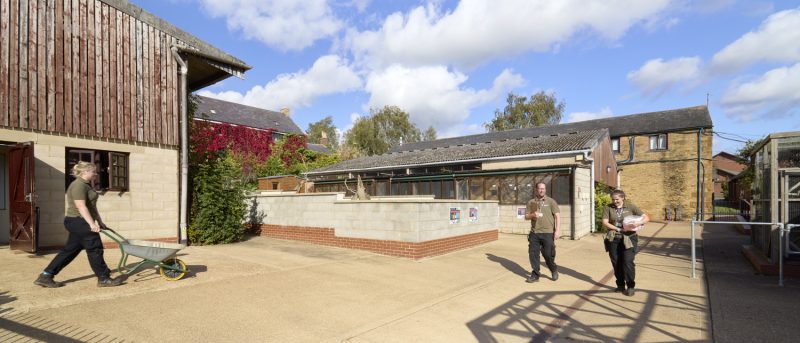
[476,151]
[233,113]
[318,148]
[628,125]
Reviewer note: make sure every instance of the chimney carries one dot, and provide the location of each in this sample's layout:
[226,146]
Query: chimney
[324,139]
[285,111]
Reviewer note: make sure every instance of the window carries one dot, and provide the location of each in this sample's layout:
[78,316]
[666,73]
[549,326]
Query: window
[658,142]
[274,186]
[276,136]
[615,144]
[508,190]
[112,168]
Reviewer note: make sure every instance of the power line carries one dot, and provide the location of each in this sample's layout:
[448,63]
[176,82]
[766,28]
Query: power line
[727,138]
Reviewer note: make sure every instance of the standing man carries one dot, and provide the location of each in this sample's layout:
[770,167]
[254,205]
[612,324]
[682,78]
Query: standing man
[545,219]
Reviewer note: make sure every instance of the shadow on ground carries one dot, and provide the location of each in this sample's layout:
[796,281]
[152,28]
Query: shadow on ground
[538,316]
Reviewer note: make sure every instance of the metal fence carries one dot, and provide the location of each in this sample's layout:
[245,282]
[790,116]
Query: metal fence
[726,210]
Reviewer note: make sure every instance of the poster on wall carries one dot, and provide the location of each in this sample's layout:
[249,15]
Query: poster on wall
[473,214]
[520,213]
[455,215]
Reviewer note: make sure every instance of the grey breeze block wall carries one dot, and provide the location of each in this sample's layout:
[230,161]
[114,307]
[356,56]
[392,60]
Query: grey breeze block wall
[407,220]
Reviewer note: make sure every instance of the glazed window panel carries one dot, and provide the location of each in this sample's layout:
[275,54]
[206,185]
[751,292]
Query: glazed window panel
[436,189]
[462,189]
[112,168]
[476,188]
[560,189]
[492,188]
[524,189]
[508,190]
[448,189]
[658,142]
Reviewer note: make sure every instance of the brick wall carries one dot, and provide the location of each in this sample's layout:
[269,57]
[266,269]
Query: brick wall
[148,210]
[414,250]
[656,179]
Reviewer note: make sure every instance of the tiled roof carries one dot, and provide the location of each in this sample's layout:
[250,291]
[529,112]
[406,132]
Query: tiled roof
[318,148]
[476,151]
[633,124]
[229,112]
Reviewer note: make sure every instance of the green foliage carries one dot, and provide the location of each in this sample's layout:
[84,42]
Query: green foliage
[747,153]
[382,130]
[286,159]
[521,112]
[315,131]
[218,206]
[602,199]
[429,134]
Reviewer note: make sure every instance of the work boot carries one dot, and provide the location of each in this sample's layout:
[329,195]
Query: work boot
[554,276]
[109,282]
[532,278]
[629,292]
[46,280]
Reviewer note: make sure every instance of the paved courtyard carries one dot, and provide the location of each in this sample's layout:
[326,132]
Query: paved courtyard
[280,291]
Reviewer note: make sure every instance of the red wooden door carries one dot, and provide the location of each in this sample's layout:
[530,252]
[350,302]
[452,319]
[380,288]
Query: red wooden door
[24,229]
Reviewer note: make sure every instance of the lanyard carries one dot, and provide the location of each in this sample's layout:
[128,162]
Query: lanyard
[619,216]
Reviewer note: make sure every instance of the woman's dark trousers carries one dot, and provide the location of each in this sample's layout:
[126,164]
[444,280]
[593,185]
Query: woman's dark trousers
[622,260]
[80,238]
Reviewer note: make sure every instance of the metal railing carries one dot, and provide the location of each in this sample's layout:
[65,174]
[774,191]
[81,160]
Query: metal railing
[781,228]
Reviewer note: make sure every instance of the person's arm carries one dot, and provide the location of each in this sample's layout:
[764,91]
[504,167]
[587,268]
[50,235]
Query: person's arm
[557,232]
[608,225]
[530,215]
[87,216]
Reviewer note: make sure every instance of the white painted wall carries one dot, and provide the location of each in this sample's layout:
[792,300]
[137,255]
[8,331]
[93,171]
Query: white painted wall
[404,219]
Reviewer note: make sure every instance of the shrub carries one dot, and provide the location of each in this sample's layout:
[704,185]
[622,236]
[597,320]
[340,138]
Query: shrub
[601,200]
[218,205]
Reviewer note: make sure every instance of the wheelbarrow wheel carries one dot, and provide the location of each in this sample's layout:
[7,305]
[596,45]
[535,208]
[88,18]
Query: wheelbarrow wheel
[171,274]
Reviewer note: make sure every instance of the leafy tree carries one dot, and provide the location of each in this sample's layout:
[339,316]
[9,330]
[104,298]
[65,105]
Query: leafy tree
[746,153]
[522,112]
[381,130]
[315,131]
[218,207]
[429,134]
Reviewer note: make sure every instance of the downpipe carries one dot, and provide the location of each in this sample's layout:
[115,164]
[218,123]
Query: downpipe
[184,192]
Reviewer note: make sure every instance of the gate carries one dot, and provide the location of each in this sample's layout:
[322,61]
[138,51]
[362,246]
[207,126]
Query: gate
[727,210]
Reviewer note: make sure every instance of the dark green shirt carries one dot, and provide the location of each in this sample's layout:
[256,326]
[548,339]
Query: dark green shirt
[81,190]
[549,208]
[616,217]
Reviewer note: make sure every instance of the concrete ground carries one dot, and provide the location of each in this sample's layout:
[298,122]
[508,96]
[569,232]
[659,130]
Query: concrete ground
[280,291]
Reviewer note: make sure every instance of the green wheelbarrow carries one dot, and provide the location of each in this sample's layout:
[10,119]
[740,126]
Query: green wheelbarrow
[158,253]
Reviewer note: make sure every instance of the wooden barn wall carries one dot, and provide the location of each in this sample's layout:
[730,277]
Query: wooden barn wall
[83,67]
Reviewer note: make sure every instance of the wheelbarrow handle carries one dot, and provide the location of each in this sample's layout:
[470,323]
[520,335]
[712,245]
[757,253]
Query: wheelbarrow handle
[113,235]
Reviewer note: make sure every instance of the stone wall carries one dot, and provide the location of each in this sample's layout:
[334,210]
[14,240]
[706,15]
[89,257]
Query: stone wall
[656,179]
[147,210]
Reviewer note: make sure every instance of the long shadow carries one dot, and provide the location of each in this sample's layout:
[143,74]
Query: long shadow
[5,298]
[521,271]
[540,317]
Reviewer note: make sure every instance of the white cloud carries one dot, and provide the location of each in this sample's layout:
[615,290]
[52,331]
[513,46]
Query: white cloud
[605,112]
[479,30]
[775,94]
[433,96]
[658,76]
[776,40]
[329,75]
[282,24]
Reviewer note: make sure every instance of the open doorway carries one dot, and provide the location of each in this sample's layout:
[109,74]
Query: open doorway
[5,218]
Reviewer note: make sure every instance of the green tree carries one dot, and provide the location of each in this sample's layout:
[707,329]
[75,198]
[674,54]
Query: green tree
[315,132]
[522,112]
[218,206]
[381,130]
[746,153]
[429,134]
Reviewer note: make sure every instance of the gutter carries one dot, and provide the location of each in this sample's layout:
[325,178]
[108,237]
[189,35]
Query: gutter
[591,192]
[515,157]
[184,191]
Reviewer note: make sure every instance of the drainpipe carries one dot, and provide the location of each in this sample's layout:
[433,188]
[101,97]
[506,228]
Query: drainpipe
[183,70]
[698,210]
[591,192]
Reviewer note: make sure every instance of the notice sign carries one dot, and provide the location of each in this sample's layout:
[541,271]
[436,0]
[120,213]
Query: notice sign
[455,215]
[473,214]
[520,213]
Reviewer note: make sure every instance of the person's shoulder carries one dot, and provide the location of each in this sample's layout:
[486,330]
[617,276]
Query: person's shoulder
[633,207]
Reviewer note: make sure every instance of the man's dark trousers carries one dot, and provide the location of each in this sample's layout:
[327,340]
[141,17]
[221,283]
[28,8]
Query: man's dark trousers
[541,243]
[622,260]
[80,238]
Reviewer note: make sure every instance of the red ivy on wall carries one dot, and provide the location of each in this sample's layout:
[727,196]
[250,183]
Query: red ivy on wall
[208,139]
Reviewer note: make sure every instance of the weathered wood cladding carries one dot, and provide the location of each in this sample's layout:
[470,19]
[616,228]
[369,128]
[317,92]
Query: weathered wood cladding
[86,68]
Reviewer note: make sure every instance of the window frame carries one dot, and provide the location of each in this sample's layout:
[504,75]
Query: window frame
[106,173]
[658,140]
[617,149]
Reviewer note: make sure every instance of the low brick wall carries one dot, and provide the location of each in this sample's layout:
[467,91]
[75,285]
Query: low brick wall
[414,250]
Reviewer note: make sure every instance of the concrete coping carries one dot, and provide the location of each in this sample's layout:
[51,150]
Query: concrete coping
[406,200]
[290,193]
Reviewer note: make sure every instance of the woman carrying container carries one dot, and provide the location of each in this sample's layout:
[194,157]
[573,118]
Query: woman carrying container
[622,221]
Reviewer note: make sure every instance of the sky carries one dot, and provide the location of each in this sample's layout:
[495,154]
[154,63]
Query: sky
[451,64]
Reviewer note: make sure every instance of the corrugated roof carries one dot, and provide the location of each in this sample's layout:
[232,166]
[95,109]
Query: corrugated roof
[318,148]
[229,112]
[633,124]
[543,144]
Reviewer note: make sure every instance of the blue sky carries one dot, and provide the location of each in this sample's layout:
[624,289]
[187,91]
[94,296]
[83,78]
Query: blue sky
[450,64]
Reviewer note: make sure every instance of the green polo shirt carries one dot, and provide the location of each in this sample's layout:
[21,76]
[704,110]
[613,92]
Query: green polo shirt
[610,213]
[549,208]
[81,190]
